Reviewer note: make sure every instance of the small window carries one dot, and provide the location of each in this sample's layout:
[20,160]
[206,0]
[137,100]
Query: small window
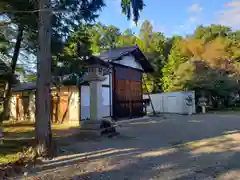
[100,70]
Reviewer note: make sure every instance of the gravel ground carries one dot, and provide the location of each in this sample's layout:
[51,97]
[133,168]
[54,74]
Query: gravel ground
[200,147]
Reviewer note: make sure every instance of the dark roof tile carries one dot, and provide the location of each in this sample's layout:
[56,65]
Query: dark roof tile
[116,54]
[24,87]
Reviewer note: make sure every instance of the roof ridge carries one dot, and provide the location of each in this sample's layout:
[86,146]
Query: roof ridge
[119,48]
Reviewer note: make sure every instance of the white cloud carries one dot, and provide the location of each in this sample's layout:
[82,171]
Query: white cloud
[181,26]
[230,15]
[188,23]
[233,4]
[195,11]
[195,8]
[187,26]
[192,19]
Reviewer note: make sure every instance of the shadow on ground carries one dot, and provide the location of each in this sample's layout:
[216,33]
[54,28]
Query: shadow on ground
[176,148]
[20,135]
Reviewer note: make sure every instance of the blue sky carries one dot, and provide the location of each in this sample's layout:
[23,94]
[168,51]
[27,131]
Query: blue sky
[176,16]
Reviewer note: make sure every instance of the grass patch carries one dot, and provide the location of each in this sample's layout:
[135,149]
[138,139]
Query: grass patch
[9,158]
[18,135]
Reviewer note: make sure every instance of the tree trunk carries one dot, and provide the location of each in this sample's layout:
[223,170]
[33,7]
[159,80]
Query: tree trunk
[43,109]
[13,67]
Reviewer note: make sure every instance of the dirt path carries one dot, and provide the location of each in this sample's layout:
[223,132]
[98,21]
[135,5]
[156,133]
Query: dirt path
[201,147]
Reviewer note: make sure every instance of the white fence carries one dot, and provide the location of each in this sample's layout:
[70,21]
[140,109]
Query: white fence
[173,102]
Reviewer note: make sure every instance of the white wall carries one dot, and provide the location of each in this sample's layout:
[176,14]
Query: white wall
[173,102]
[85,102]
[130,62]
[106,81]
[85,96]
[74,104]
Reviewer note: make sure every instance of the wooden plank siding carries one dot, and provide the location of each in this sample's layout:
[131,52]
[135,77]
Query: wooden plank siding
[127,92]
[63,106]
[22,105]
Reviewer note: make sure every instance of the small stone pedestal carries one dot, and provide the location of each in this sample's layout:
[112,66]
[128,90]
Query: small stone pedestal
[189,103]
[203,104]
[91,127]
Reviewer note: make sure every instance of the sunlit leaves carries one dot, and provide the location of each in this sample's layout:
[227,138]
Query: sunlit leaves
[205,61]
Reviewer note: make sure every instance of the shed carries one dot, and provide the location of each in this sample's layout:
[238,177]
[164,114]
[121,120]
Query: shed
[172,102]
[128,66]
[122,93]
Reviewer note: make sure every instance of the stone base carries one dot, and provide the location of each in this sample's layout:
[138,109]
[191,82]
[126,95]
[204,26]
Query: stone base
[99,127]
[90,124]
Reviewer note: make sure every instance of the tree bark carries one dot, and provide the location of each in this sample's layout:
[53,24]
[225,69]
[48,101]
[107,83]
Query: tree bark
[13,67]
[43,109]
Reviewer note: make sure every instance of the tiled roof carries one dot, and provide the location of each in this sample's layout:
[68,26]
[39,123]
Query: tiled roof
[115,54]
[24,86]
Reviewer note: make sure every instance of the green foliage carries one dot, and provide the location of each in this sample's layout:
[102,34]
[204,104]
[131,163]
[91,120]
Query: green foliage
[73,13]
[211,32]
[200,76]
[4,43]
[153,44]
[30,77]
[206,61]
[98,38]
[67,17]
[175,58]
[146,35]
[102,37]
[109,38]
[77,48]
[127,38]
[172,58]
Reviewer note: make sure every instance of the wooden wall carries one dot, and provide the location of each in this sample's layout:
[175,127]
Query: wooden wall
[127,92]
[22,105]
[66,100]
